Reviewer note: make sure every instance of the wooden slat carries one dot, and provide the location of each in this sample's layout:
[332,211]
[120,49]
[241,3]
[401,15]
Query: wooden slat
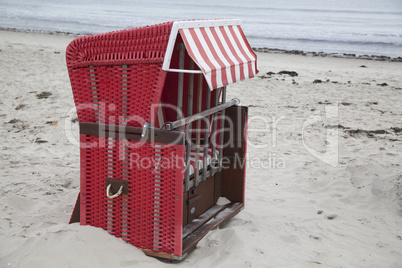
[181,77]
[206,216]
[190,242]
[132,133]
[214,127]
[222,125]
[162,255]
[198,134]
[206,138]
[188,127]
[75,217]
[233,176]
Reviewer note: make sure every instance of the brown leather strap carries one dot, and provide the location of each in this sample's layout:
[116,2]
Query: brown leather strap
[132,133]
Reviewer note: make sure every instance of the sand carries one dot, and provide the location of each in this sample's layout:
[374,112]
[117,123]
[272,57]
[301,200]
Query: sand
[324,175]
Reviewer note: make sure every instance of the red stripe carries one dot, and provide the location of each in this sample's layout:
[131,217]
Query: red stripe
[225,54]
[190,52]
[216,57]
[243,52]
[204,56]
[249,48]
[233,52]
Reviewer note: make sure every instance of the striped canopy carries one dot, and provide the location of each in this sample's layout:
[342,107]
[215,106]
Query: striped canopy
[219,48]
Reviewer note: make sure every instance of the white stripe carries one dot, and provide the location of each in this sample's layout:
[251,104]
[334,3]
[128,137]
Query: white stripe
[196,47]
[211,58]
[220,55]
[225,45]
[245,68]
[191,24]
[198,59]
[161,119]
[240,37]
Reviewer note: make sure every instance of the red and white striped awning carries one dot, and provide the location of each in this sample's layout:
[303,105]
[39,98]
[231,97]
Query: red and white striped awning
[220,50]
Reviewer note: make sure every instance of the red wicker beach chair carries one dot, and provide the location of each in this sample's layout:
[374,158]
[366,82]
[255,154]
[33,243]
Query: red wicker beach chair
[161,148]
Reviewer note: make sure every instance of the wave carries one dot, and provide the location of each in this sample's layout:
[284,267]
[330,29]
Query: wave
[323,11]
[316,40]
[283,23]
[261,8]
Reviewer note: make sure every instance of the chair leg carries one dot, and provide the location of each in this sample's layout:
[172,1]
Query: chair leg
[75,217]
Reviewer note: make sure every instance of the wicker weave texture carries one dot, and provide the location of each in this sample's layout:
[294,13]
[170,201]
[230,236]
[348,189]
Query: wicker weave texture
[122,95]
[138,45]
[150,215]
[117,78]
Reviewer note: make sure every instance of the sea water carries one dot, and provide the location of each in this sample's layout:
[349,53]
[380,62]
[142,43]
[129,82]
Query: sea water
[362,27]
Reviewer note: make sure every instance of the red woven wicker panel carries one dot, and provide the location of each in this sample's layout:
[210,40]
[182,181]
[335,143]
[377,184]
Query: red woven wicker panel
[139,45]
[117,77]
[150,215]
[121,95]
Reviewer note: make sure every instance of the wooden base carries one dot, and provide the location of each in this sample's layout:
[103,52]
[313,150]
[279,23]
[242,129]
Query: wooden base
[211,219]
[195,231]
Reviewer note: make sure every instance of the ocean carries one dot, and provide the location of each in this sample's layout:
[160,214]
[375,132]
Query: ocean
[361,27]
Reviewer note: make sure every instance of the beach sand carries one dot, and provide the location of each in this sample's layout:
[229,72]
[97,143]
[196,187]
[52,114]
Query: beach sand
[324,174]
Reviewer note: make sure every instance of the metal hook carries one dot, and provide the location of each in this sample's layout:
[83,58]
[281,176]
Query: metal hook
[114,195]
[145,128]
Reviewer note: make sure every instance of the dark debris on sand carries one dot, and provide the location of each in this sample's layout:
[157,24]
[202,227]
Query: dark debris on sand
[43,95]
[291,73]
[346,103]
[336,126]
[368,133]
[39,140]
[14,121]
[324,102]
[382,85]
[270,74]
[397,130]
[19,107]
[375,134]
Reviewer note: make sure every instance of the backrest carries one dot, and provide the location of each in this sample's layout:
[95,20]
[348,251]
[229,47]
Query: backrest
[117,77]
